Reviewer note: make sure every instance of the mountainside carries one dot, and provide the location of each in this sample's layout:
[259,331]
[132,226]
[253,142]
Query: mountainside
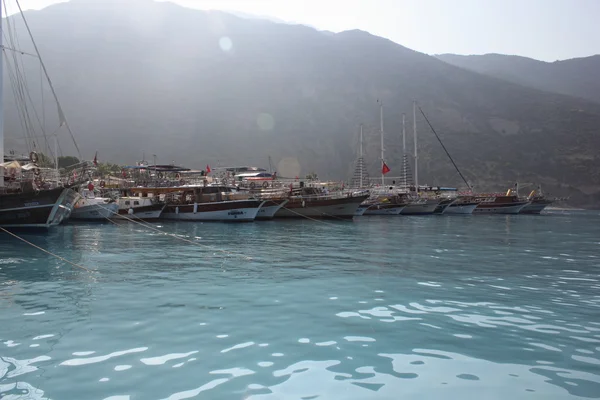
[211,88]
[579,77]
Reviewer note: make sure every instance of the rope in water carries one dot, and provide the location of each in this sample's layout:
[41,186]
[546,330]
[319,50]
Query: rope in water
[45,251]
[145,224]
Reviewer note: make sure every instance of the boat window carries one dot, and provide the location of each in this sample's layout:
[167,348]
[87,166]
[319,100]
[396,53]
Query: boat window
[127,203]
[136,203]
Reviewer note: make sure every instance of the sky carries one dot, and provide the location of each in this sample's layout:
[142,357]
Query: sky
[547,30]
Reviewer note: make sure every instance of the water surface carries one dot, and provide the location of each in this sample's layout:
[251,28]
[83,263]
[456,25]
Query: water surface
[490,307]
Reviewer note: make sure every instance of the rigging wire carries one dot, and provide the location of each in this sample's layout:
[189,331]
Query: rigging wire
[444,147]
[20,87]
[61,114]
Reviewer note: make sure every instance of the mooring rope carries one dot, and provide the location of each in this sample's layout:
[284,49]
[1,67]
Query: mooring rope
[45,251]
[145,224]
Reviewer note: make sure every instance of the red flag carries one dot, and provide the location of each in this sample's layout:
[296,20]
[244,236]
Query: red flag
[385,169]
[207,169]
[96,159]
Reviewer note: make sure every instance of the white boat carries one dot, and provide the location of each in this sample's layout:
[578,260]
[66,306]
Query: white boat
[269,208]
[134,207]
[230,210]
[461,207]
[90,207]
[384,209]
[421,207]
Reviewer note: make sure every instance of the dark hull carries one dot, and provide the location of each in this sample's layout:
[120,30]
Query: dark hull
[500,208]
[41,209]
[327,208]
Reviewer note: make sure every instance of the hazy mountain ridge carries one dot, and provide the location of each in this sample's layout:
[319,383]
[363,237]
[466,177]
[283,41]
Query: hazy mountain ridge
[579,77]
[207,87]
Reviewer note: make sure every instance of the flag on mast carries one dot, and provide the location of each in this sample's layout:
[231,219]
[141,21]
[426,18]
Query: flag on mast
[207,169]
[96,159]
[385,169]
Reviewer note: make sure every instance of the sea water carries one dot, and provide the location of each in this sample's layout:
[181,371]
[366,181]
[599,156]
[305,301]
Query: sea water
[481,307]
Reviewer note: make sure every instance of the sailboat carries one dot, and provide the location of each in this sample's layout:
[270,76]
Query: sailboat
[417,205]
[383,202]
[29,198]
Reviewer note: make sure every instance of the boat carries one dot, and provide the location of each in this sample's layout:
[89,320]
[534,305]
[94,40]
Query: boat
[443,205]
[269,208]
[536,206]
[309,202]
[28,197]
[36,209]
[138,207]
[462,205]
[538,202]
[416,204]
[383,208]
[92,208]
[211,203]
[420,207]
[500,204]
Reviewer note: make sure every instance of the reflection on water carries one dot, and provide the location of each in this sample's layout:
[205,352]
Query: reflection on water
[381,308]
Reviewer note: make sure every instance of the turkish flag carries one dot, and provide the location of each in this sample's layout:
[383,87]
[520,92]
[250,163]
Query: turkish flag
[207,169]
[385,169]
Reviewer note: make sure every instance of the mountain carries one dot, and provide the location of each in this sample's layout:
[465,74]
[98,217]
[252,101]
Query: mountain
[211,88]
[579,77]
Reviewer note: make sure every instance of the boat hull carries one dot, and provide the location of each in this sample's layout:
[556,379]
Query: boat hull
[500,208]
[229,211]
[535,207]
[153,211]
[360,210]
[443,206]
[460,209]
[335,208]
[384,209]
[95,211]
[41,209]
[269,209]
[427,208]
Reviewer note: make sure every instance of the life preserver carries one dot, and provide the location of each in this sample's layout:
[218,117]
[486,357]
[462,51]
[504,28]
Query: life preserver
[102,184]
[33,157]
[178,176]
[252,185]
[265,184]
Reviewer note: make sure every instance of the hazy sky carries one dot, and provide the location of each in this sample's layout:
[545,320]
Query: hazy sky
[541,29]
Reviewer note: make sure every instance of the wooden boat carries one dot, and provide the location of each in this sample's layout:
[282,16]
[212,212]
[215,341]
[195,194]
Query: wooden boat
[500,204]
[311,202]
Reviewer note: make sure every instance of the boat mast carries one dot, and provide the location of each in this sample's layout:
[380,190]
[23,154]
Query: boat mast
[361,155]
[382,150]
[404,172]
[416,156]
[1,103]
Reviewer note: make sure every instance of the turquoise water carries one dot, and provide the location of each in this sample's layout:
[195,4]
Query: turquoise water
[490,307]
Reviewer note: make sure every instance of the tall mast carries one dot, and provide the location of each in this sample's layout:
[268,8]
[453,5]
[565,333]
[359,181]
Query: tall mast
[1,103]
[404,172]
[416,156]
[382,150]
[361,155]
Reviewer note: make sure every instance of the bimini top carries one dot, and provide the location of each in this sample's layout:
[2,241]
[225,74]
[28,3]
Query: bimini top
[160,168]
